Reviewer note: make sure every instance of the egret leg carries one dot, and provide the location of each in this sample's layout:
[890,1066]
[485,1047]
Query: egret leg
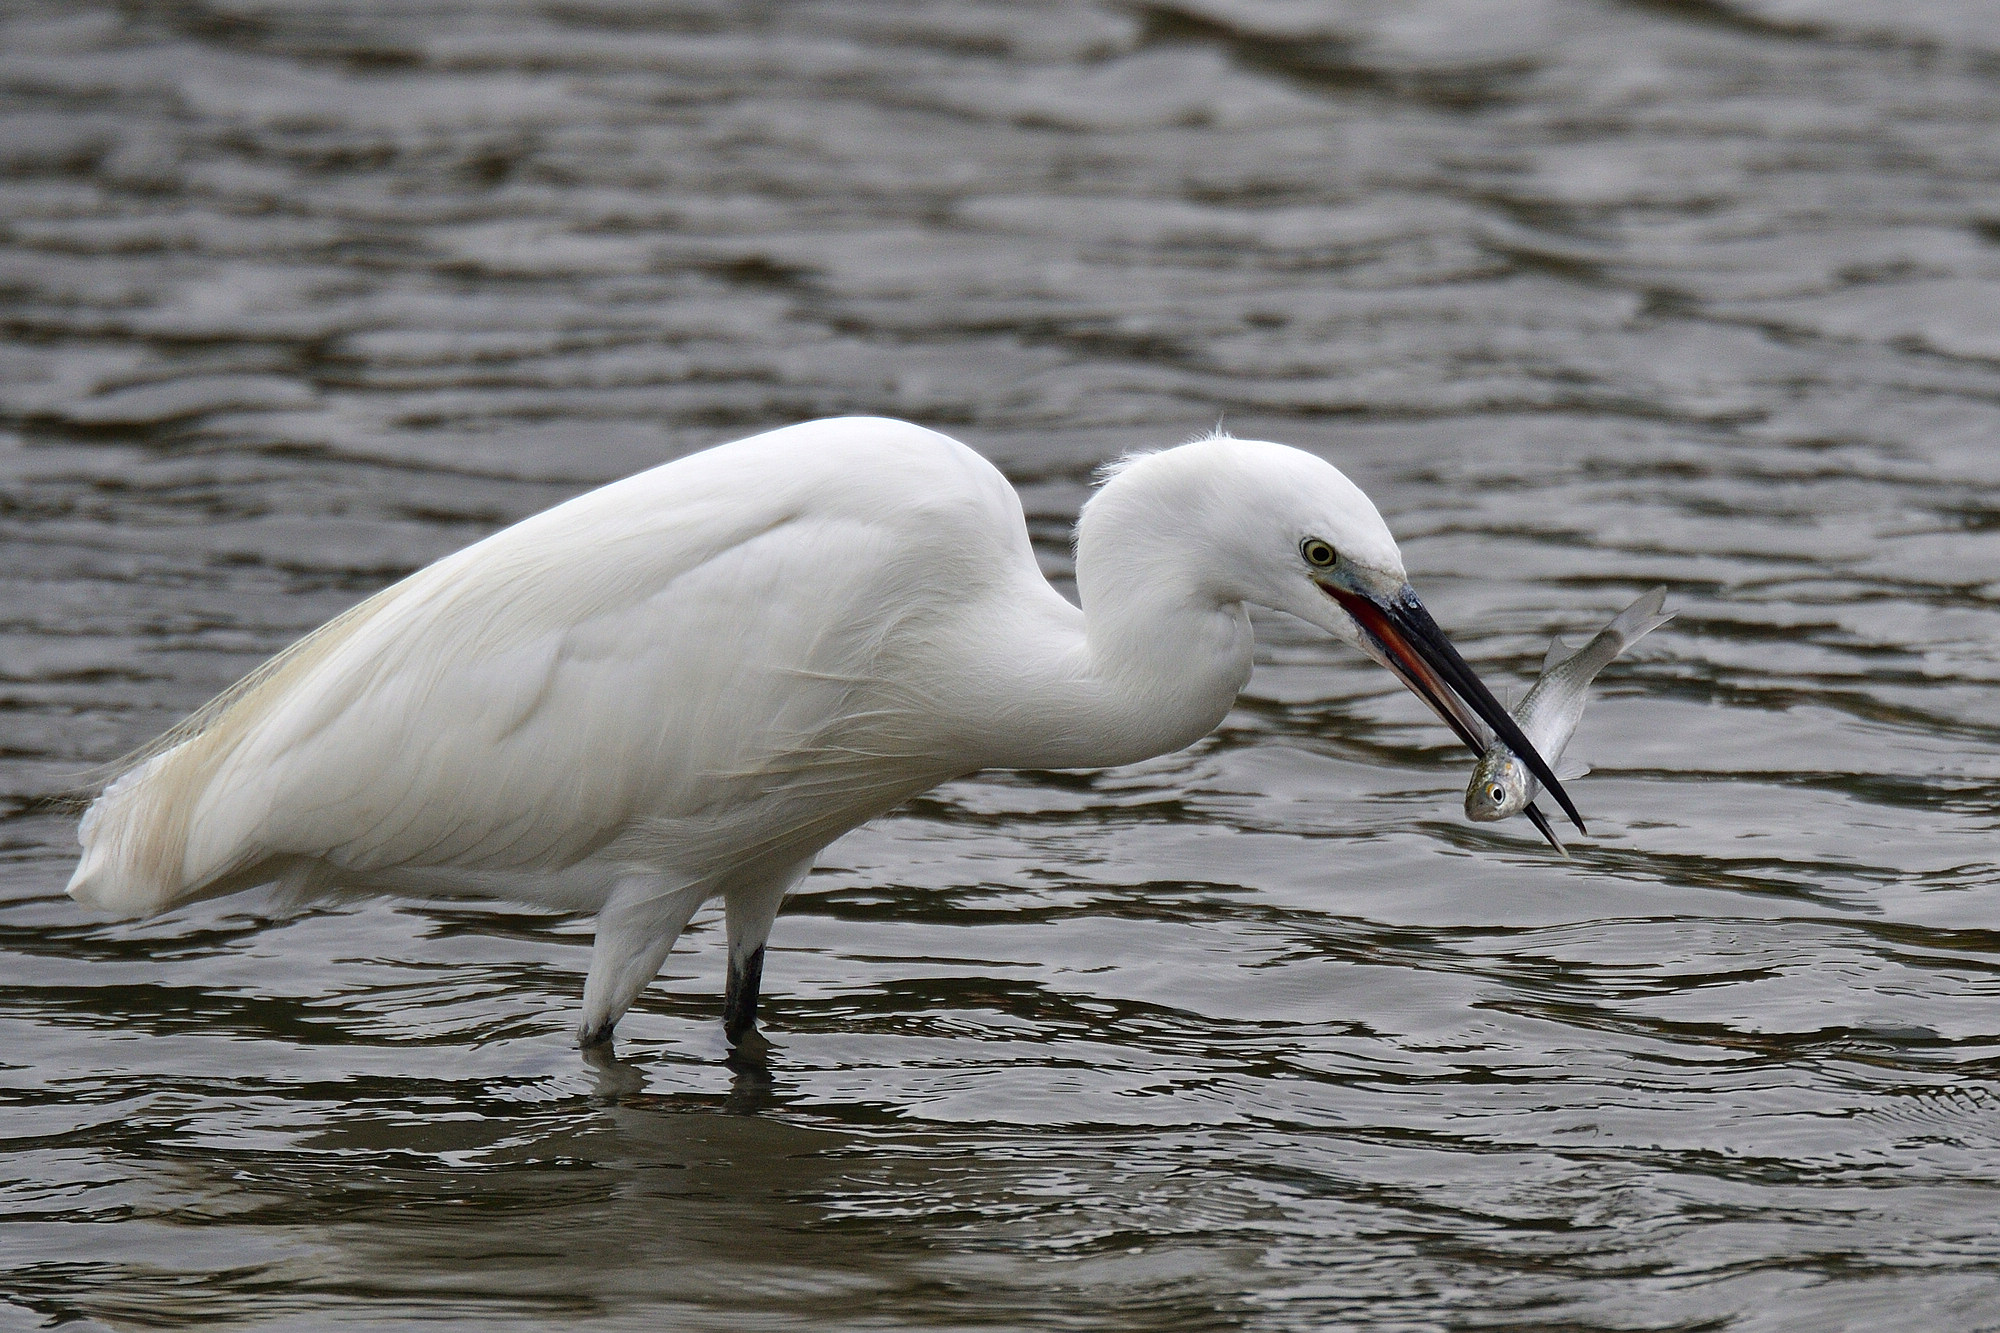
[749,912]
[635,931]
[739,996]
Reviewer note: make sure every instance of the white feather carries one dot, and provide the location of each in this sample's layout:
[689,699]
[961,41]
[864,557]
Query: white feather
[583,677]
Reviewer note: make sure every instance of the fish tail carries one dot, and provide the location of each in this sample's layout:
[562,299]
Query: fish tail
[1632,624]
[1641,618]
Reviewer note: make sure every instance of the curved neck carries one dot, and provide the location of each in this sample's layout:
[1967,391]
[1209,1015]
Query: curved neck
[1151,664]
[1103,695]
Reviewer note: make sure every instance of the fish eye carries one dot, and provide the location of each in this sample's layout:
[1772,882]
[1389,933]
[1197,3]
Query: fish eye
[1317,552]
[1498,793]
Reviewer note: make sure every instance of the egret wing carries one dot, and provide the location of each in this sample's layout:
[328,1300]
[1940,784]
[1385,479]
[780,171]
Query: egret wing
[653,650]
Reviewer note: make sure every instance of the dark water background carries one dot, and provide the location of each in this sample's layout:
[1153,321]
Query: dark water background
[299,296]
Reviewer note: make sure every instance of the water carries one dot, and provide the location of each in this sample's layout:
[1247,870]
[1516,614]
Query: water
[1264,1035]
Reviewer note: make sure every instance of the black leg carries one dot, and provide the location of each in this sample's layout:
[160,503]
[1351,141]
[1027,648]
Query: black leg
[739,999]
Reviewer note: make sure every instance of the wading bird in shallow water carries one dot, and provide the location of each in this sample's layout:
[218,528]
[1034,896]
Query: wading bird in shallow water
[684,685]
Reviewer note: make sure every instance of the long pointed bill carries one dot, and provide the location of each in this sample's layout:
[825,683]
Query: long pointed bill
[1411,645]
[1541,823]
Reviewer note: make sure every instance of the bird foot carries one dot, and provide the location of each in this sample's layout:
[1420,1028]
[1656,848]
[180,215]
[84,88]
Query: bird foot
[750,1055]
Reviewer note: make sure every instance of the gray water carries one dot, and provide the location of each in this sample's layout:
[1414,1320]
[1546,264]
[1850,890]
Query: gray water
[1589,296]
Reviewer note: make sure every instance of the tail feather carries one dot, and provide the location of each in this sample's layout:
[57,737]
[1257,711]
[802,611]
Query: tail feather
[135,839]
[135,834]
[128,867]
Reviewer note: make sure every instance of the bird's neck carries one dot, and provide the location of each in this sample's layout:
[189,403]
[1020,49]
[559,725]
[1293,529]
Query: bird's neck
[1152,663]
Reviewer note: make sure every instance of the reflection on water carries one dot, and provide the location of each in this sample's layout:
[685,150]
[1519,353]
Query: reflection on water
[1260,1035]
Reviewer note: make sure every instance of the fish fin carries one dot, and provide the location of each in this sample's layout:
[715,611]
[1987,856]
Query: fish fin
[1569,770]
[1558,650]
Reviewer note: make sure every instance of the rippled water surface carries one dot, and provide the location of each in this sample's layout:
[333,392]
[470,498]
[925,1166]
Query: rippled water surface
[1590,296]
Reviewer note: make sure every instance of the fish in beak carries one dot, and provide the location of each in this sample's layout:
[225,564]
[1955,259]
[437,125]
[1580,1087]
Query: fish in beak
[1401,635]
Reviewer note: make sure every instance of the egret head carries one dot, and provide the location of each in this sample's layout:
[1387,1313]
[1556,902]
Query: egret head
[1251,521]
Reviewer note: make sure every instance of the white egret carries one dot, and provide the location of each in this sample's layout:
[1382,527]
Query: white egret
[684,685]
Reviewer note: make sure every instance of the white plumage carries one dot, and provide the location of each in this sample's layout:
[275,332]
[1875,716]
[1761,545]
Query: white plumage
[687,683]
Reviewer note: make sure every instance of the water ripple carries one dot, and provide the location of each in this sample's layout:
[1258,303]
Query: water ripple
[1262,1035]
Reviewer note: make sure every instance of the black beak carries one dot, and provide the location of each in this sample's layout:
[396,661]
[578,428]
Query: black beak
[1541,823]
[1412,646]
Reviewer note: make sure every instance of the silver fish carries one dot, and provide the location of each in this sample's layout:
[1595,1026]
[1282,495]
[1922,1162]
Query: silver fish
[1502,785]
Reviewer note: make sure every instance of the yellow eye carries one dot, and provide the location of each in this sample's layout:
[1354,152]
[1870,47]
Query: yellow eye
[1317,552]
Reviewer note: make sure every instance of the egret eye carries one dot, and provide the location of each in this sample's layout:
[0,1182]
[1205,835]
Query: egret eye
[1317,552]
